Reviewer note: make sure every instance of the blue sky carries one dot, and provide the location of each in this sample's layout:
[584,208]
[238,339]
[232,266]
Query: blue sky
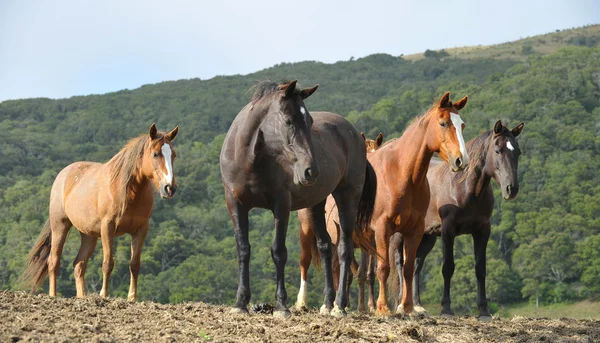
[63,48]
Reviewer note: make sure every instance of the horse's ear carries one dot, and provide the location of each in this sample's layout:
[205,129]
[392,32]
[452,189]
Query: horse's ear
[153,131]
[173,133]
[498,127]
[461,103]
[517,129]
[445,100]
[363,136]
[306,92]
[289,88]
[379,139]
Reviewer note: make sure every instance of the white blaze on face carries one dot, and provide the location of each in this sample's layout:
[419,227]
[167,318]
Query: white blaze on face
[509,146]
[457,122]
[166,151]
[303,111]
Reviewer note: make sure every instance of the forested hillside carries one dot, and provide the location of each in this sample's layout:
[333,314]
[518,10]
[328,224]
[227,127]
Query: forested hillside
[545,244]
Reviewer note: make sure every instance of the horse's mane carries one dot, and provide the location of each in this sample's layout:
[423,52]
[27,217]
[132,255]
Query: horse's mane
[422,119]
[126,164]
[265,88]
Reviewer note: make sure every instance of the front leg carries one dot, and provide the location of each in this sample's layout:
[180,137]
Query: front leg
[239,218]
[107,230]
[480,240]
[447,268]
[281,212]
[137,241]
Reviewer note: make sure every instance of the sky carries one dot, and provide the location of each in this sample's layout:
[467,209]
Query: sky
[61,48]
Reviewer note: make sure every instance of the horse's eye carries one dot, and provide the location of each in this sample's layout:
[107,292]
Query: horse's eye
[497,151]
[155,154]
[443,124]
[288,121]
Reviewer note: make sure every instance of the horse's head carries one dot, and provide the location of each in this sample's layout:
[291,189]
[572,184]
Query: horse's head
[286,131]
[157,162]
[371,144]
[444,132]
[504,159]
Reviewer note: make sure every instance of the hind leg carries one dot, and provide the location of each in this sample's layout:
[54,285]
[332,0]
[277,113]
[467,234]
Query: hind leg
[371,283]
[411,244]
[86,249]
[60,228]
[427,243]
[307,238]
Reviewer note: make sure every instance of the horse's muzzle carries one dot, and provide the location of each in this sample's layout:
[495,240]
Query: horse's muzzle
[167,191]
[510,192]
[457,164]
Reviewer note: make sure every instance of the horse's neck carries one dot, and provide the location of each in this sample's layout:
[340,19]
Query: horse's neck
[413,147]
[479,178]
[252,119]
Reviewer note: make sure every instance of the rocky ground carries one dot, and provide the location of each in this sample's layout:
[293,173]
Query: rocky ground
[39,318]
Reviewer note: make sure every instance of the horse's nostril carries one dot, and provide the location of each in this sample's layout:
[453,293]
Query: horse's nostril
[458,162]
[508,189]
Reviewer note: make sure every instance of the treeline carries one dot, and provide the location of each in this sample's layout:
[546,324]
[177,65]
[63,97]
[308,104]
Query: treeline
[545,245]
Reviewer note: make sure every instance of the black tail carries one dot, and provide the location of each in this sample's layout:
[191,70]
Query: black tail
[37,267]
[366,207]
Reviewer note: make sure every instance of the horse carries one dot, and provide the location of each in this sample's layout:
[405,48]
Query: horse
[403,191]
[308,244]
[462,203]
[278,156]
[104,200]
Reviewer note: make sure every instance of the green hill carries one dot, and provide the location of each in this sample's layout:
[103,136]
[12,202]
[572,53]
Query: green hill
[545,244]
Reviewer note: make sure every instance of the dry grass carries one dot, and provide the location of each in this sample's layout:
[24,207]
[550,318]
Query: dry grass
[541,45]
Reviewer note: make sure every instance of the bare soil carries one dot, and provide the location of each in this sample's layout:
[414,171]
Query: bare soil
[39,318]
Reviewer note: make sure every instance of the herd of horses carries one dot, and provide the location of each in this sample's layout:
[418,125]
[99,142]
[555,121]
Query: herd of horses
[390,200]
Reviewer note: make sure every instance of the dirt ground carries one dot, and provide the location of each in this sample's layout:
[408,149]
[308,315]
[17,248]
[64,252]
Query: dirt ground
[39,318]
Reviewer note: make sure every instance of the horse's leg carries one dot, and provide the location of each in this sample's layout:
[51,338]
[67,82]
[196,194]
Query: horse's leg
[427,243]
[60,228]
[371,282]
[335,267]
[382,239]
[396,248]
[362,279]
[411,244]
[347,202]
[307,237]
[107,230]
[281,212]
[316,218]
[137,241]
[86,249]
[480,240]
[447,268]
[239,218]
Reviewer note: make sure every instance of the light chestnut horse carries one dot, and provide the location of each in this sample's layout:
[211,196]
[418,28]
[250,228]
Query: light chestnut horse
[308,243]
[104,201]
[403,191]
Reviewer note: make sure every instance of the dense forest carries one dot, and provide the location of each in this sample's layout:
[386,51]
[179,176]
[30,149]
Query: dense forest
[545,244]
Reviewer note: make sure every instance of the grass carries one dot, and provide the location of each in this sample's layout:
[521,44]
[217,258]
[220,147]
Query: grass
[579,310]
[539,45]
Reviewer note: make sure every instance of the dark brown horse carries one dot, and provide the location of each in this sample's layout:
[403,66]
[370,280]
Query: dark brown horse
[462,203]
[402,188]
[308,244]
[104,201]
[278,156]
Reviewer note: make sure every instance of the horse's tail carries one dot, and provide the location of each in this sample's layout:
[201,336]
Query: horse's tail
[37,266]
[363,233]
[316,256]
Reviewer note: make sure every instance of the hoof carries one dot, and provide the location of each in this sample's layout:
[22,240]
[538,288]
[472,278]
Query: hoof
[447,316]
[324,310]
[337,313]
[421,311]
[485,319]
[383,313]
[237,310]
[282,314]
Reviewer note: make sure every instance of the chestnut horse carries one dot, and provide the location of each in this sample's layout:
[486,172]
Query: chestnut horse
[462,203]
[402,188]
[308,244]
[104,201]
[278,156]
